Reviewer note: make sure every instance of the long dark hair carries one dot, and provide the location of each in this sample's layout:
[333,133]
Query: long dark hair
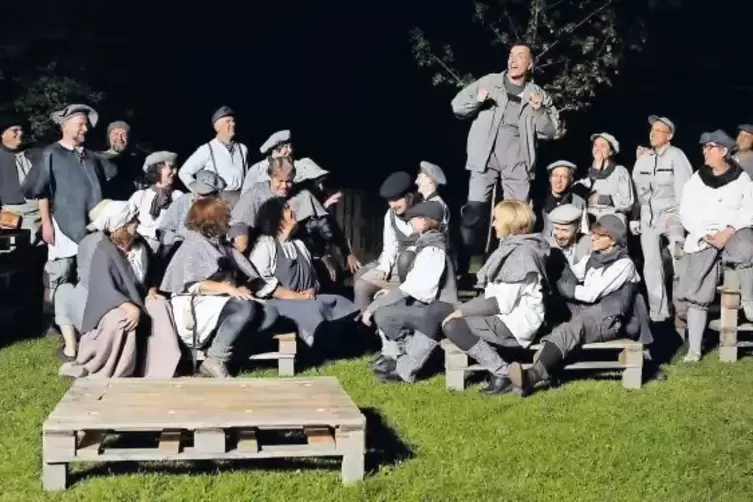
[269,216]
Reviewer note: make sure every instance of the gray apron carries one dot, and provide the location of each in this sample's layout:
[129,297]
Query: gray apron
[297,274]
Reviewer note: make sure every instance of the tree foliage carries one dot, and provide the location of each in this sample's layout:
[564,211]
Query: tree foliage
[578,45]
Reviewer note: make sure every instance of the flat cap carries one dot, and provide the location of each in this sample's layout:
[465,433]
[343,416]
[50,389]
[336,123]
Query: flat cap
[71,111]
[746,128]
[207,182]
[434,172]
[275,140]
[307,169]
[609,139]
[561,163]
[396,185]
[118,124]
[565,214]
[222,112]
[10,119]
[158,157]
[664,120]
[614,227]
[426,209]
[718,137]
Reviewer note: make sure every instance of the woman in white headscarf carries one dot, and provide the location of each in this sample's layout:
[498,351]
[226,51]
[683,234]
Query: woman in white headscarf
[114,300]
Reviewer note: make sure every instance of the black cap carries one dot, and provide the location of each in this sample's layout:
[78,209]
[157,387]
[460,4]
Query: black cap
[718,137]
[396,185]
[8,120]
[426,209]
[745,127]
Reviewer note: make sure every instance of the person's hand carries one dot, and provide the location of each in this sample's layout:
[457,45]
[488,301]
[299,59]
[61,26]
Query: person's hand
[330,266]
[598,159]
[381,292]
[48,233]
[366,318]
[641,150]
[241,243]
[456,314]
[353,263]
[332,200]
[154,293]
[719,239]
[482,95]
[635,227]
[132,316]
[240,293]
[535,101]
[308,294]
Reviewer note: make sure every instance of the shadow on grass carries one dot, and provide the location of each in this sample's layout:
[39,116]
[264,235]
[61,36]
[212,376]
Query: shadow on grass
[383,449]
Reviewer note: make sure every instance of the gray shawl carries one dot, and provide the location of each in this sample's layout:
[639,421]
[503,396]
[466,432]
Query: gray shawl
[198,259]
[86,249]
[514,259]
[116,284]
[172,226]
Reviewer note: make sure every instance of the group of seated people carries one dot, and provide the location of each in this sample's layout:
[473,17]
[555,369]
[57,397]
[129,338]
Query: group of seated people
[166,270]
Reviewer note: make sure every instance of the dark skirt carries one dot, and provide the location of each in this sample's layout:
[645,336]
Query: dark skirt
[308,315]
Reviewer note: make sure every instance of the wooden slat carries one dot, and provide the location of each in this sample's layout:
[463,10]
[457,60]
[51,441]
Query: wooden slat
[319,437]
[91,442]
[247,441]
[715,325]
[169,442]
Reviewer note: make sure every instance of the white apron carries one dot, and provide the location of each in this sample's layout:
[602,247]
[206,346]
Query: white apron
[208,308]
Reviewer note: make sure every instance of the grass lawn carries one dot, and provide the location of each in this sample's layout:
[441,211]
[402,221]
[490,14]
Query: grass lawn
[688,438]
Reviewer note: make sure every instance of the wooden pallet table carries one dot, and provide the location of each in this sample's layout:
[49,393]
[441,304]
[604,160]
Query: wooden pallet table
[629,360]
[285,355]
[202,419]
[727,325]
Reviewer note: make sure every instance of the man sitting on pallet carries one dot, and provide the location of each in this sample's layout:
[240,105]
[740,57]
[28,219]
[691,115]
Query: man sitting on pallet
[717,211]
[604,292]
[431,277]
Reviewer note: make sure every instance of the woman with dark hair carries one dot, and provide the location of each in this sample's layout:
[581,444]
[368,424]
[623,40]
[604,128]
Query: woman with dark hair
[118,304]
[285,266]
[209,281]
[151,203]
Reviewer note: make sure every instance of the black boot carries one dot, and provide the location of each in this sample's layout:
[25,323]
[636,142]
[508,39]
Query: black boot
[525,380]
[491,361]
[498,385]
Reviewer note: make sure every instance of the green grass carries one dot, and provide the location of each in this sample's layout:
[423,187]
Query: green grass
[688,438]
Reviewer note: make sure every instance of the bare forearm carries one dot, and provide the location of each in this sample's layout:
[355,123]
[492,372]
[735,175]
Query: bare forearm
[44,211]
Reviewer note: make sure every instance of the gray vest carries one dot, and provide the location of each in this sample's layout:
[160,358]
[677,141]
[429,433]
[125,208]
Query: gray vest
[403,241]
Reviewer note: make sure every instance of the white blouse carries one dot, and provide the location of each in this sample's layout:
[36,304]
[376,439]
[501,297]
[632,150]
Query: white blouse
[137,257]
[142,202]
[521,306]
[264,258]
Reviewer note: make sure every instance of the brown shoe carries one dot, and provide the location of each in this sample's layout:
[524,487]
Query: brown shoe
[214,368]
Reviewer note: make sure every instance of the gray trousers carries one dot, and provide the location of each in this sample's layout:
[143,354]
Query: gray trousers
[653,264]
[59,271]
[511,172]
[588,325]
[367,284]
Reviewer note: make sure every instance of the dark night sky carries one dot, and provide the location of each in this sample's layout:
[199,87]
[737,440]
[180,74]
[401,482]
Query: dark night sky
[342,78]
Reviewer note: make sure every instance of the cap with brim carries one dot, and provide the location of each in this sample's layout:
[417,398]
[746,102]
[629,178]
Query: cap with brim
[274,141]
[719,138]
[565,214]
[615,227]
[10,120]
[561,163]
[306,169]
[609,139]
[434,172]
[206,183]
[745,128]
[71,111]
[396,185]
[664,120]
[221,113]
[118,124]
[426,209]
[159,157]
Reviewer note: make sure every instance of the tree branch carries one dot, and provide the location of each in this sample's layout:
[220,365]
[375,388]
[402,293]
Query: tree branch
[578,25]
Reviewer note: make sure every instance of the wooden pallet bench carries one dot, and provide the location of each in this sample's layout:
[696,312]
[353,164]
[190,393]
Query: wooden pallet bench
[629,360]
[728,323]
[202,419]
[285,355]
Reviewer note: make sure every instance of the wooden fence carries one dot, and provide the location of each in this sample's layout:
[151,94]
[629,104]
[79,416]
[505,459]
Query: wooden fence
[361,217]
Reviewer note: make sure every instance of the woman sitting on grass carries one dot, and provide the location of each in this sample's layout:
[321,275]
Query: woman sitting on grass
[119,305]
[511,310]
[290,279]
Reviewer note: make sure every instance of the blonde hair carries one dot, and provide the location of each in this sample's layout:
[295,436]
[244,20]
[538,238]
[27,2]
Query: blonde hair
[515,217]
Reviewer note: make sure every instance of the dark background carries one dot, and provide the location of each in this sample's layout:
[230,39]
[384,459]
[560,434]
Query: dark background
[341,76]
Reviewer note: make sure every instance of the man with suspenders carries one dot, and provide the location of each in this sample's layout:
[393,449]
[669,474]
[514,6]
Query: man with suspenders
[222,155]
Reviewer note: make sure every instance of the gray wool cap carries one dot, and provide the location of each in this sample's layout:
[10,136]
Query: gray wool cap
[71,111]
[274,141]
[118,124]
[434,172]
[426,209]
[222,112]
[396,185]
[652,119]
[745,128]
[561,163]
[615,227]
[718,137]
[609,139]
[207,182]
[565,214]
[159,157]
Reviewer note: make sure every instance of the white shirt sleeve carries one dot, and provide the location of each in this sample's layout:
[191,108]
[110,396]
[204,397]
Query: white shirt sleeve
[264,259]
[194,164]
[579,269]
[601,283]
[744,217]
[389,246]
[422,282]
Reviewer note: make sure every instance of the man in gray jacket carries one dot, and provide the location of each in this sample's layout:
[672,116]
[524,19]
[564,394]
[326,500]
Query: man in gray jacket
[510,113]
[659,174]
[744,155]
